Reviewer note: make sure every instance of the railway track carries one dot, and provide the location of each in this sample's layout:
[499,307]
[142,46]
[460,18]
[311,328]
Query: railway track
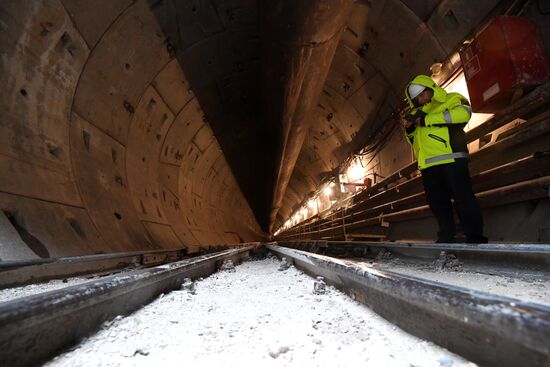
[502,255]
[34,328]
[484,328]
[14,273]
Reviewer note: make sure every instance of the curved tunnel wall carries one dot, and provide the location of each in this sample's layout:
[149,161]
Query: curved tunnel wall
[104,145]
[384,45]
[135,124]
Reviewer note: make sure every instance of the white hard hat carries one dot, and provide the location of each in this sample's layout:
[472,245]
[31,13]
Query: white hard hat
[415,90]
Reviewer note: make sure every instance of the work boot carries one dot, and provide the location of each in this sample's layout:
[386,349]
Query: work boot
[477,239]
[443,237]
[445,240]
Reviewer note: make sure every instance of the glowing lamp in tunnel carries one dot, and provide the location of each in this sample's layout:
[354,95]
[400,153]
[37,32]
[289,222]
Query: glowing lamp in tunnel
[327,191]
[355,171]
[312,204]
[458,85]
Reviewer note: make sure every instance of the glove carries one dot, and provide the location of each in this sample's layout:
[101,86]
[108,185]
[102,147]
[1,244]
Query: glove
[410,118]
[420,113]
[415,120]
[420,117]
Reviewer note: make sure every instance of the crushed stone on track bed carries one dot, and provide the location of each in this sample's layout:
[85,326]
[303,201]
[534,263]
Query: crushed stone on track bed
[257,315]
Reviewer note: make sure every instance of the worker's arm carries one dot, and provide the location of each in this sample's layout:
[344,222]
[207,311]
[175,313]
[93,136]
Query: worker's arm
[459,112]
[411,131]
[410,122]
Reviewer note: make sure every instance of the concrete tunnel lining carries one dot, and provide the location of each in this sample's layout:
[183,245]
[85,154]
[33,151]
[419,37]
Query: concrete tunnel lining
[126,121]
[122,154]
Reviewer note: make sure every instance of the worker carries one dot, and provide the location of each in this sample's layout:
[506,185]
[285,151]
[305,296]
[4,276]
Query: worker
[435,128]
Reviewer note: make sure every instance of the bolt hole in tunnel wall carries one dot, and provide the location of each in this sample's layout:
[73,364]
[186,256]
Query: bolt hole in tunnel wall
[103,145]
[376,192]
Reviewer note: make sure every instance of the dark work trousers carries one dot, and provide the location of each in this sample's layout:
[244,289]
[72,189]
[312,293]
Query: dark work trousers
[452,180]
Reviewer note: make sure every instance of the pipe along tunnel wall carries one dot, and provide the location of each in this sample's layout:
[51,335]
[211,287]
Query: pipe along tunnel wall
[133,125]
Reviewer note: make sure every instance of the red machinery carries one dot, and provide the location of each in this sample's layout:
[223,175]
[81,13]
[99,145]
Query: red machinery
[502,62]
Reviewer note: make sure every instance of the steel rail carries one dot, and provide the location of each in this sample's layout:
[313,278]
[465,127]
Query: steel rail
[23,272]
[498,253]
[484,328]
[34,328]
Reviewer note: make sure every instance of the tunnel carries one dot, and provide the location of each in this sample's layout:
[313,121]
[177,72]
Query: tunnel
[131,125]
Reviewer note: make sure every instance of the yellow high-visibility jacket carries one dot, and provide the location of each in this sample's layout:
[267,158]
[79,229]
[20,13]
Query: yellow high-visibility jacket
[442,139]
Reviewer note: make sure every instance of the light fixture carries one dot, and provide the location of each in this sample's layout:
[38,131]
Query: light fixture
[355,171]
[459,85]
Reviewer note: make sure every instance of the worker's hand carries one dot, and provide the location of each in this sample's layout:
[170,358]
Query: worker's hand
[420,116]
[408,121]
[405,123]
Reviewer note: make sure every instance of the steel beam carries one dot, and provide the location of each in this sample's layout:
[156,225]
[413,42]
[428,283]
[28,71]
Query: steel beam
[524,106]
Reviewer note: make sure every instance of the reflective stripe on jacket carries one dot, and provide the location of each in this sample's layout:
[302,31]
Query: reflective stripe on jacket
[442,140]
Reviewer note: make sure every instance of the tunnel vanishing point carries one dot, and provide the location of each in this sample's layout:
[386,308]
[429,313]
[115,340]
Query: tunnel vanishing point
[157,124]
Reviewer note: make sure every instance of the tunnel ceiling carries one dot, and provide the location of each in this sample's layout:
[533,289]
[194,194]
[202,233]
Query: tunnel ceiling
[136,124]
